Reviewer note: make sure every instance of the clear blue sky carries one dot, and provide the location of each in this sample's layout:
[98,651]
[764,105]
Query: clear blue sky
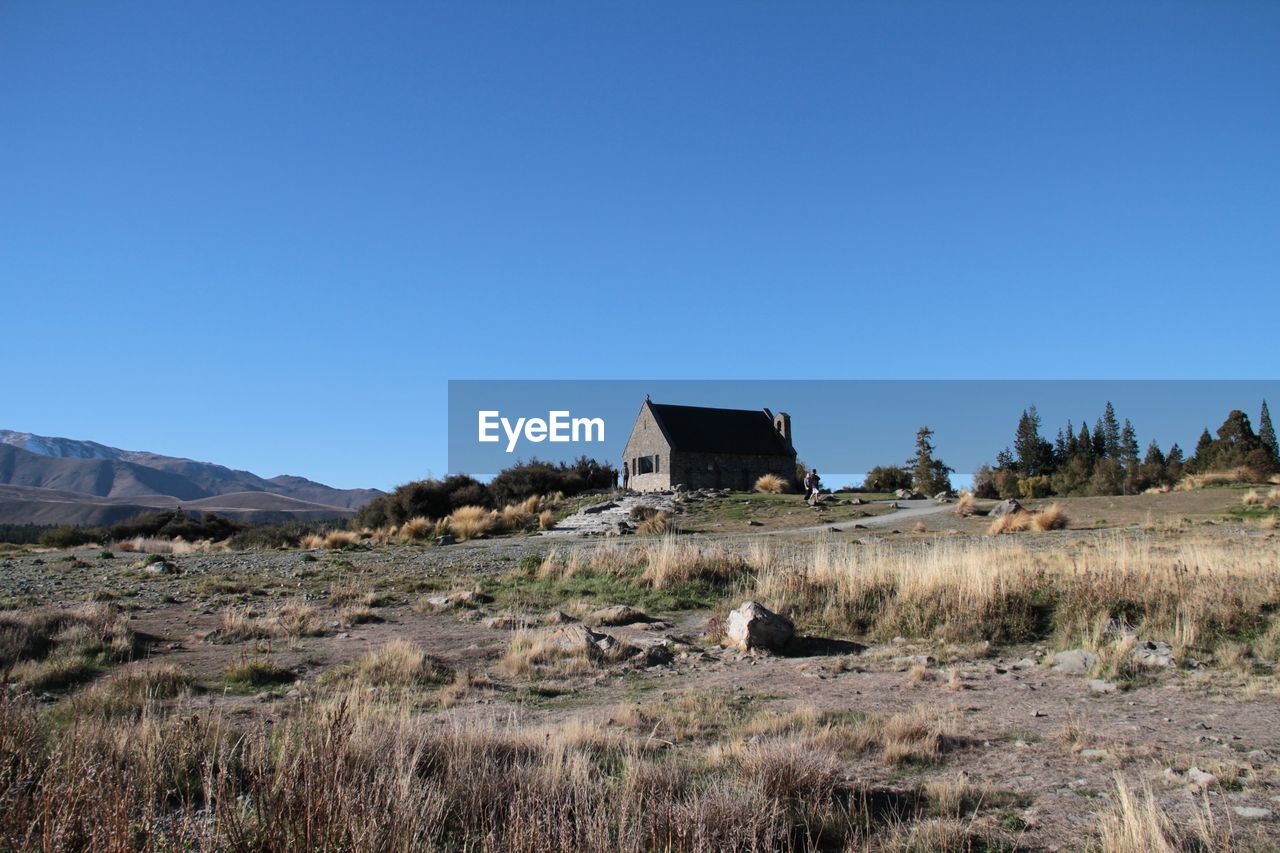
[267,234]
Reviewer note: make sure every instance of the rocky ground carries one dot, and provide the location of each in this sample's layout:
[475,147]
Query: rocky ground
[1026,724]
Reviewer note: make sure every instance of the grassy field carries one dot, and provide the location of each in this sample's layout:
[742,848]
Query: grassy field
[521,693]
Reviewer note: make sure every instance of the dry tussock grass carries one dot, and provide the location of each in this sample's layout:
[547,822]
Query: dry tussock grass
[472,522]
[546,520]
[154,545]
[1178,589]
[660,523]
[1216,478]
[399,664]
[418,527]
[1135,822]
[967,505]
[771,484]
[289,620]
[539,653]
[52,648]
[333,540]
[663,564]
[1052,517]
[354,772]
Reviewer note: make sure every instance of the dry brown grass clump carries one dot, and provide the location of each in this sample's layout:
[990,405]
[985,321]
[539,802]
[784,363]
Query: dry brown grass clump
[401,664]
[1052,517]
[1217,478]
[471,522]
[967,505]
[771,484]
[354,772]
[659,524]
[333,540]
[418,527]
[516,516]
[546,520]
[51,648]
[1186,591]
[257,671]
[290,620]
[918,736]
[1135,822]
[1014,522]
[156,545]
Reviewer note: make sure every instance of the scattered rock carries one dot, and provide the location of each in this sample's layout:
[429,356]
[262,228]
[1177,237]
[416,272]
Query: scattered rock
[1075,661]
[505,622]
[555,617]
[754,523]
[618,614]
[467,598]
[446,539]
[579,638]
[944,497]
[1153,654]
[754,627]
[1252,812]
[1199,779]
[1097,685]
[160,568]
[1005,507]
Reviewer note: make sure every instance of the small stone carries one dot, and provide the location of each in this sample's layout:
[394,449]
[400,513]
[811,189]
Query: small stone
[1075,661]
[1039,714]
[1097,685]
[1259,756]
[1198,778]
[1252,812]
[618,614]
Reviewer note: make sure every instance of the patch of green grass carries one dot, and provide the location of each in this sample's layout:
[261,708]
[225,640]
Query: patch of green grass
[535,593]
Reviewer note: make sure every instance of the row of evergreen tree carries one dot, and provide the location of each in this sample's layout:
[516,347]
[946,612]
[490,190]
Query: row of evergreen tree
[1107,460]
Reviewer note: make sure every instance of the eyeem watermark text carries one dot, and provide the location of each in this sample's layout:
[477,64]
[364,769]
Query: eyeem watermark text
[558,426]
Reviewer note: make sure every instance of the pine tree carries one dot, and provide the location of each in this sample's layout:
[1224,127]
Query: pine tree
[1202,457]
[1111,432]
[1035,455]
[1099,440]
[1154,470]
[1267,435]
[1173,465]
[928,475]
[1073,442]
[1128,457]
[1085,444]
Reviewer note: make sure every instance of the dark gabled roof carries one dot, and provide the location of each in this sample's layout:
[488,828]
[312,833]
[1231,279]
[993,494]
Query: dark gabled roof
[700,430]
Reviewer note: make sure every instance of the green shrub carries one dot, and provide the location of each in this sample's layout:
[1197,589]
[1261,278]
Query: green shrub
[886,478]
[1035,487]
[72,537]
[173,523]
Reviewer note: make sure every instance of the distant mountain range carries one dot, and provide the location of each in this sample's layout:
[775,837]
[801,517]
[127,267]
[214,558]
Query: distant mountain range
[47,480]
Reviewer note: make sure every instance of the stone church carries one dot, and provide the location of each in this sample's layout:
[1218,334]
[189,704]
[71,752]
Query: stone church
[704,448]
